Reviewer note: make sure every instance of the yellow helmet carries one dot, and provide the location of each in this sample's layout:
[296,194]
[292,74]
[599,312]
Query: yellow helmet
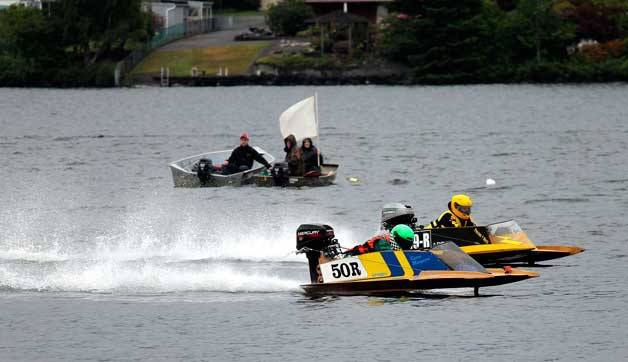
[460,205]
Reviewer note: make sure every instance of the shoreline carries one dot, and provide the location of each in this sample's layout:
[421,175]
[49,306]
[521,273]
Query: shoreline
[217,82]
[305,80]
[300,79]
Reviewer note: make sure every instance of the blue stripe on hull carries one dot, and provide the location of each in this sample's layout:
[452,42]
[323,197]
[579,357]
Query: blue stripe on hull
[393,263]
[421,260]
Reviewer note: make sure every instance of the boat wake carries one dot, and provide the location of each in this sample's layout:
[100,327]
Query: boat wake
[136,278]
[146,259]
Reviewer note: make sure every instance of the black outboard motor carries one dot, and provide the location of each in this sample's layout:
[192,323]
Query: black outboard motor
[312,239]
[203,170]
[281,174]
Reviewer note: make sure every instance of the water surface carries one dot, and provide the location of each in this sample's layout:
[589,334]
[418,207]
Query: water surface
[102,259]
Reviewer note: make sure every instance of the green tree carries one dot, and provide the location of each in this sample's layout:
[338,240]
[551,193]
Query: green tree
[96,29]
[74,42]
[24,32]
[27,44]
[538,29]
[399,37]
[288,17]
[442,39]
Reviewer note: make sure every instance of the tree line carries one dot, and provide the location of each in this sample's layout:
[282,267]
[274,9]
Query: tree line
[71,42]
[77,42]
[457,41]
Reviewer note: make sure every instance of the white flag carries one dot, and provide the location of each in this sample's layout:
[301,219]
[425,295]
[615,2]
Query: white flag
[300,120]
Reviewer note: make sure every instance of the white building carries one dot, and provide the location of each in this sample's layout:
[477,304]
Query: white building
[39,4]
[175,13]
[171,14]
[200,10]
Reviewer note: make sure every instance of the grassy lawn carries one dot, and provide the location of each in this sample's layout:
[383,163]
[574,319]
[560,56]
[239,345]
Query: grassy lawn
[235,57]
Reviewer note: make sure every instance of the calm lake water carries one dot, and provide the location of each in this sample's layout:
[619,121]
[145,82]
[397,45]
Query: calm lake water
[102,259]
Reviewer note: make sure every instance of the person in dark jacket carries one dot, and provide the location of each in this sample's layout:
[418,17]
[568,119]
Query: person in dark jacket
[242,157]
[293,156]
[312,159]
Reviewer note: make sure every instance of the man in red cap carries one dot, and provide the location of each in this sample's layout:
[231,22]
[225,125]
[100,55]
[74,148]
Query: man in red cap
[242,157]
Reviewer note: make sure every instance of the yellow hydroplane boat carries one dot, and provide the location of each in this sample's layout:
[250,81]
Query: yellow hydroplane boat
[500,243]
[392,272]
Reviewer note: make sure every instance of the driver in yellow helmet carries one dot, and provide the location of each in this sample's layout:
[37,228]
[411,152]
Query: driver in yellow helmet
[458,215]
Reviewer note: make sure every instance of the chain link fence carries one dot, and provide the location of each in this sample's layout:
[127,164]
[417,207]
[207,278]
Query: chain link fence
[162,37]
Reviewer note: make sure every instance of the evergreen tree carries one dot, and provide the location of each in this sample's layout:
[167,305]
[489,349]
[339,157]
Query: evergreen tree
[539,31]
[439,38]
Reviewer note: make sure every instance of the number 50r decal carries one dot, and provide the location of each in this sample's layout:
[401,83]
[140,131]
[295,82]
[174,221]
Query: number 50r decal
[345,269]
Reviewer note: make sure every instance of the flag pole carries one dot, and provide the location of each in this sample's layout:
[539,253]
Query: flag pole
[316,113]
[318,156]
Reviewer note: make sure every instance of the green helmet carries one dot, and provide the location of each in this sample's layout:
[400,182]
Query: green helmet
[403,235]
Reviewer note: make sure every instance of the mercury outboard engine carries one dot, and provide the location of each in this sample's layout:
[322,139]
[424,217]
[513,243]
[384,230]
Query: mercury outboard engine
[281,174]
[203,170]
[314,239]
[395,214]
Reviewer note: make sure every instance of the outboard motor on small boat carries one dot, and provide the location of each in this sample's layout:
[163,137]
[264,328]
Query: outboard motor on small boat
[395,214]
[203,170]
[314,239]
[281,174]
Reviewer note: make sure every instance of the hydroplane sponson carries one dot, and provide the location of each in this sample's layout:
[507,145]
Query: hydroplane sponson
[499,243]
[392,272]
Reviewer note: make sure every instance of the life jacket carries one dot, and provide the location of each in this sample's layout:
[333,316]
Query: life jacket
[448,220]
[373,244]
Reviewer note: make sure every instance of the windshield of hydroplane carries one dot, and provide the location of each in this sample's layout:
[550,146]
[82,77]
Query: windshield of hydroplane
[456,259]
[508,232]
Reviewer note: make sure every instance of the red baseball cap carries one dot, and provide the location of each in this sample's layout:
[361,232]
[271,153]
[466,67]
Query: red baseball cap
[244,135]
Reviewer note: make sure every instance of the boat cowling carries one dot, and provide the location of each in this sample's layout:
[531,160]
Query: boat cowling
[316,240]
[394,214]
[315,236]
[281,174]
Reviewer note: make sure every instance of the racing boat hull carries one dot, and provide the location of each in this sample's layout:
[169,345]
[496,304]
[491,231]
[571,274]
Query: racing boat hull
[500,243]
[491,254]
[424,281]
[545,253]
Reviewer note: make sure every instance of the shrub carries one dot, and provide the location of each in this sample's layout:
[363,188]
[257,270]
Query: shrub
[297,62]
[596,53]
[593,52]
[288,17]
[616,48]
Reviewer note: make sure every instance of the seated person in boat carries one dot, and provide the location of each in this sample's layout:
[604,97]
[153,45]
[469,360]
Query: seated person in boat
[458,214]
[312,159]
[293,156]
[242,157]
[401,237]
